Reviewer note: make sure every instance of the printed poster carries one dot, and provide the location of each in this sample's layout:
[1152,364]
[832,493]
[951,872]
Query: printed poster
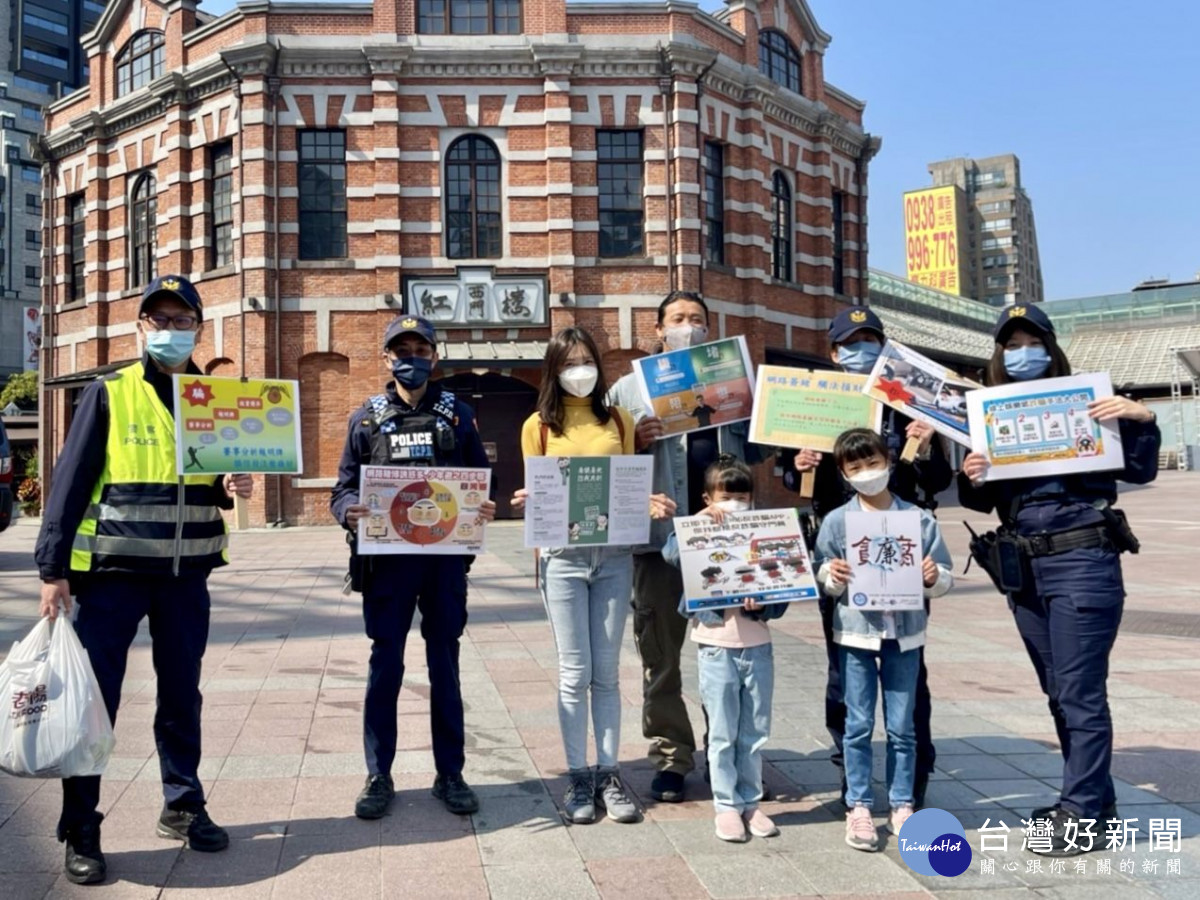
[1033,428]
[32,326]
[225,425]
[698,387]
[422,509]
[758,554]
[804,408]
[583,501]
[884,552]
[923,390]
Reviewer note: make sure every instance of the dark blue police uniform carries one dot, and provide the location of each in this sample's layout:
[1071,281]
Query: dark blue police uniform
[919,483]
[440,430]
[1070,607]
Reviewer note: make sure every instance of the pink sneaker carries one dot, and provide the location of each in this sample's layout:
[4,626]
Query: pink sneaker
[760,824]
[860,830]
[899,816]
[730,827]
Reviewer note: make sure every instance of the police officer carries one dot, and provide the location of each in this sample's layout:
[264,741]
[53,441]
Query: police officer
[133,539]
[1069,605]
[414,423]
[855,340]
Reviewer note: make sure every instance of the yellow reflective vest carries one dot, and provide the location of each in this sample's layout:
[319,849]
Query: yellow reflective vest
[137,521]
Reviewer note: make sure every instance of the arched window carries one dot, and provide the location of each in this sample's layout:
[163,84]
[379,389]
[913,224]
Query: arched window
[140,61]
[143,209]
[781,228]
[468,16]
[472,199]
[779,59]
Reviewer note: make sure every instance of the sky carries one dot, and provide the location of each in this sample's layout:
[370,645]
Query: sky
[1099,99]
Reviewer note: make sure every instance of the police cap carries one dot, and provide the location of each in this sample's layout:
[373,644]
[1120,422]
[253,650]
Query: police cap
[1029,315]
[851,320]
[402,325]
[177,288]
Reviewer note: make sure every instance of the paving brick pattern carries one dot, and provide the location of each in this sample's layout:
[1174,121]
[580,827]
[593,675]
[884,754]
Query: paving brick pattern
[284,677]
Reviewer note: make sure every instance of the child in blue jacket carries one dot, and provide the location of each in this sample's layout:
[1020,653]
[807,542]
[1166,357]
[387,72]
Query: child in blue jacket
[737,674]
[877,646]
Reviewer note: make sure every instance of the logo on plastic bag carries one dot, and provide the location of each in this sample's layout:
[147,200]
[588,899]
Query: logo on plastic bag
[28,706]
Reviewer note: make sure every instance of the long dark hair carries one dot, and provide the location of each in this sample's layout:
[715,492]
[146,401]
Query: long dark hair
[995,373]
[550,395]
[728,474]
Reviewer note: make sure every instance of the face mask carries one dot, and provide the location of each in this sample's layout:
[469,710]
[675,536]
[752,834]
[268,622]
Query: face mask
[578,381]
[870,482]
[858,357]
[412,371]
[679,337]
[733,505]
[170,347]
[1026,363]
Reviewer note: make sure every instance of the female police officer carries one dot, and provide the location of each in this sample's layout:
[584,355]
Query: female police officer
[1069,605]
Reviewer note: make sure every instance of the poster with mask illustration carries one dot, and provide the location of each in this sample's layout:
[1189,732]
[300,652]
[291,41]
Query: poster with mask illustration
[884,553]
[225,425]
[923,390]
[757,554]
[698,387]
[422,509]
[585,501]
[1032,428]
[808,409]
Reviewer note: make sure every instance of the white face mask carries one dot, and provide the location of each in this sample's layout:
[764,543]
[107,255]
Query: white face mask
[870,482]
[679,337]
[578,381]
[733,505]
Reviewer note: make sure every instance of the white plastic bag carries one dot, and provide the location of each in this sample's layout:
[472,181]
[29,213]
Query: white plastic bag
[53,723]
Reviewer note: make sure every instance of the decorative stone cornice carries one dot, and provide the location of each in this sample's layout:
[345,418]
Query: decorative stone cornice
[387,59]
[323,62]
[557,59]
[250,60]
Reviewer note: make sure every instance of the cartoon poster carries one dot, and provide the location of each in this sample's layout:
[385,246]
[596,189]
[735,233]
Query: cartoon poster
[884,552]
[580,501]
[227,425]
[758,554]
[422,509]
[1032,428]
[923,390]
[806,408]
[698,387]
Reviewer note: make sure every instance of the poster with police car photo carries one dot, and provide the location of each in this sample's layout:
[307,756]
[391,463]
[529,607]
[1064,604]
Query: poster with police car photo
[422,509]
[884,553]
[923,390]
[579,501]
[758,554]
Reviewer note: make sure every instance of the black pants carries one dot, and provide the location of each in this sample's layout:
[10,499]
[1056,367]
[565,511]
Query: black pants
[110,609]
[835,705]
[438,587]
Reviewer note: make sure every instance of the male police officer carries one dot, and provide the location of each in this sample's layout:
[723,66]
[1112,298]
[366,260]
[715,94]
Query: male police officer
[855,340]
[415,423]
[132,538]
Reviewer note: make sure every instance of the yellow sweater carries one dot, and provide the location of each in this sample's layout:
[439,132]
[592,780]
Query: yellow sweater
[583,435]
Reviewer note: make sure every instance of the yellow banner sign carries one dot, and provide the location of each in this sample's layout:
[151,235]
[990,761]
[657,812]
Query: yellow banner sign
[930,238]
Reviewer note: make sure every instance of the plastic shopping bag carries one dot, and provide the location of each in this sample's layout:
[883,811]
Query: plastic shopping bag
[53,722]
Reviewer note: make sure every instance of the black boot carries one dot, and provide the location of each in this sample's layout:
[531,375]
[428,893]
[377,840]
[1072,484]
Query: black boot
[85,861]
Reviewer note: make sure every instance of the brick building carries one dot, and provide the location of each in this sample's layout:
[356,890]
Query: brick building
[317,169]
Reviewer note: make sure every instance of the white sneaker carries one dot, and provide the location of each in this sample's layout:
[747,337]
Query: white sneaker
[860,830]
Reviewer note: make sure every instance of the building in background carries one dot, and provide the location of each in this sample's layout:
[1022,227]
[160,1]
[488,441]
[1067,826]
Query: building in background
[505,168]
[40,60]
[988,241]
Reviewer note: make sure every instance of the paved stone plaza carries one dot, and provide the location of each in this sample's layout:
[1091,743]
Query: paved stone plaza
[283,687]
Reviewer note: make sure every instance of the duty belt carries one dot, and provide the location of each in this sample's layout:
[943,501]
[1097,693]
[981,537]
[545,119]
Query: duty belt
[1035,545]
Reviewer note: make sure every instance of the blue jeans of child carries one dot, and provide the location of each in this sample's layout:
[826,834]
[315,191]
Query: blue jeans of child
[587,593]
[862,672]
[736,687]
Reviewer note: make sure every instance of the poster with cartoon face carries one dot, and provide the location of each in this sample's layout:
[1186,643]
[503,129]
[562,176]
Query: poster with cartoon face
[757,554]
[423,510]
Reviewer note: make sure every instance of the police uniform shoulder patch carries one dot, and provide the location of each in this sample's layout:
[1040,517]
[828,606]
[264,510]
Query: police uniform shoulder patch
[858,316]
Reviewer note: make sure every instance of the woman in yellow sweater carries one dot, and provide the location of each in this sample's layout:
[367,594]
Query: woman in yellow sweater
[586,589]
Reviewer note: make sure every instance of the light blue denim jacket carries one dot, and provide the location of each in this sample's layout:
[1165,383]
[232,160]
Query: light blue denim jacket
[670,554]
[670,457]
[867,628]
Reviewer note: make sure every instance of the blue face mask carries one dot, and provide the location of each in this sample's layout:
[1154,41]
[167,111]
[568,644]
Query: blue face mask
[1026,363]
[412,371]
[858,357]
[170,348]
